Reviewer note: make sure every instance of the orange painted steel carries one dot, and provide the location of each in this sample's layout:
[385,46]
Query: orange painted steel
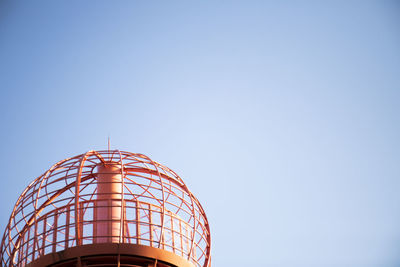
[111,255]
[108,196]
[108,219]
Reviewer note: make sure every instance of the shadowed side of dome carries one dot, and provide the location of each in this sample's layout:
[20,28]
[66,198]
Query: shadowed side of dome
[114,206]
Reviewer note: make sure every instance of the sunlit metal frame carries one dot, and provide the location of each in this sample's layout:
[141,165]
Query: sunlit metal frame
[57,210]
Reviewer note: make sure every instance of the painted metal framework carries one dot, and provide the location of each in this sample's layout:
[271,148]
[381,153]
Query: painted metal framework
[60,210]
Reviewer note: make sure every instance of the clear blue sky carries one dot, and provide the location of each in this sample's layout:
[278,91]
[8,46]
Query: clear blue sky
[282,117]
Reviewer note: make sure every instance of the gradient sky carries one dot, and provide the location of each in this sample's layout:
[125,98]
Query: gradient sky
[282,117]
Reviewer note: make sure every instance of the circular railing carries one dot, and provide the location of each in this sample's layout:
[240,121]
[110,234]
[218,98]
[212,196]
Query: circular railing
[65,208]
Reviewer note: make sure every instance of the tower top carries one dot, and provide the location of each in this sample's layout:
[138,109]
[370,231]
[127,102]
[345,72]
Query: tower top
[110,202]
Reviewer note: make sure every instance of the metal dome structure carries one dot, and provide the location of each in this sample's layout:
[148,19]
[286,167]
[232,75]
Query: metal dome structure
[107,208]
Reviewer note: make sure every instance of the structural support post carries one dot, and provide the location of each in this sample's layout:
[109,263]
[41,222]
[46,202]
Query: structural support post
[108,203]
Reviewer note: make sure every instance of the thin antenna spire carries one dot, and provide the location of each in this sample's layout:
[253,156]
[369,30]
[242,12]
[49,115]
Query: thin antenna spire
[108,143]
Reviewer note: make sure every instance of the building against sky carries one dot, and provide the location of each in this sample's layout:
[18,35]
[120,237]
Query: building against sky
[285,110]
[107,208]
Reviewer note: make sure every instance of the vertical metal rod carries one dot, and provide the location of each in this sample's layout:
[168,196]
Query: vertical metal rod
[82,222]
[79,264]
[180,234]
[151,226]
[27,246]
[55,229]
[94,223]
[187,240]
[137,223]
[172,233]
[44,235]
[35,239]
[22,251]
[67,225]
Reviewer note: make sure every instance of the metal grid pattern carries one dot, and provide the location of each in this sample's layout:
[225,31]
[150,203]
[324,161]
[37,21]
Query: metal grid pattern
[58,210]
